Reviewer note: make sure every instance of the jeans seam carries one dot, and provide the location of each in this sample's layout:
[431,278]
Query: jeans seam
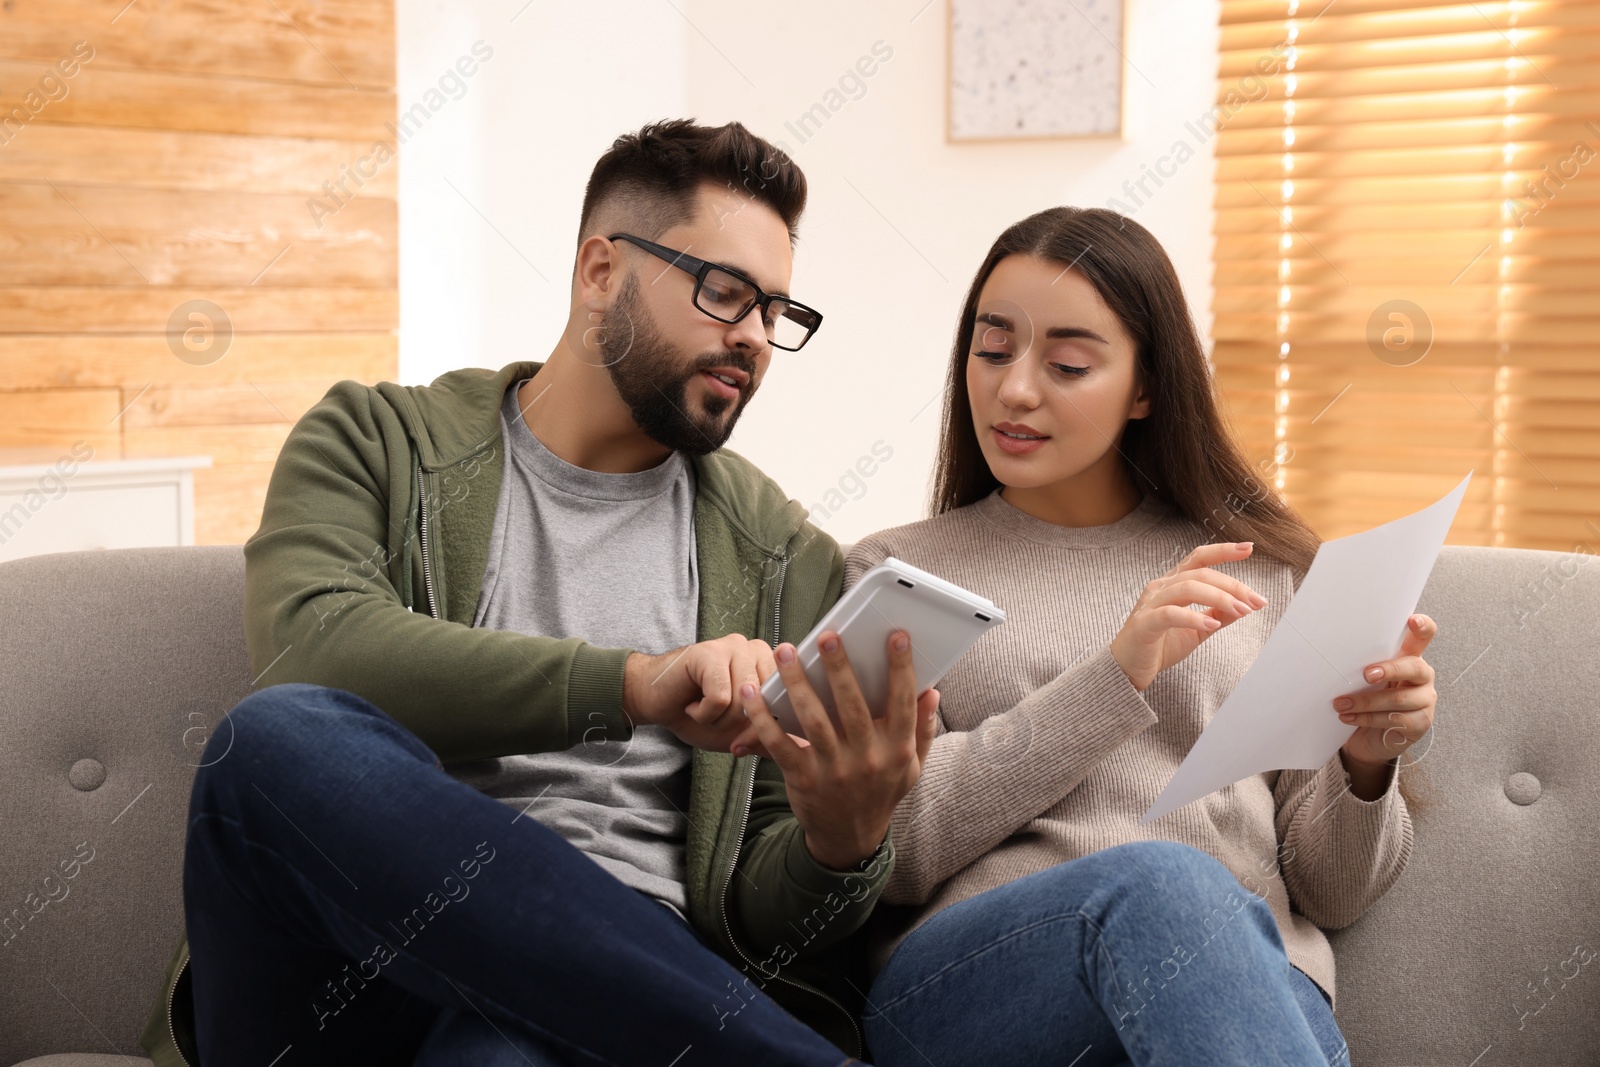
[416,960]
[1130,1035]
[882,1007]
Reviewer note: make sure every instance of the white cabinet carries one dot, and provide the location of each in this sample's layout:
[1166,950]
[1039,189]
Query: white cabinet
[67,506]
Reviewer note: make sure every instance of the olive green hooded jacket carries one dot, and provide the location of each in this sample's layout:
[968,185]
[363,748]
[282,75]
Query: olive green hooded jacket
[364,576]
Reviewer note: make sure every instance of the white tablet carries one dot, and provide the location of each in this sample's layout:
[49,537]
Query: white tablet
[942,619]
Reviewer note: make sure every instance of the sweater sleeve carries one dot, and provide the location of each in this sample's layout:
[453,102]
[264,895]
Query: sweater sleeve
[1340,853]
[1021,762]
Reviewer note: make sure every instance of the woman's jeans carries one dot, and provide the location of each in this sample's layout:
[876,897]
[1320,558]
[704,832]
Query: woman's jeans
[1149,953]
[347,900]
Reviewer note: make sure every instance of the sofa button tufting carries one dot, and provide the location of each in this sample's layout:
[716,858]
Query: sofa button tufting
[1523,788]
[87,774]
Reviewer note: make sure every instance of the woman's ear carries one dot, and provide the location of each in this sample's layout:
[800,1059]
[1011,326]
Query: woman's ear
[1141,401]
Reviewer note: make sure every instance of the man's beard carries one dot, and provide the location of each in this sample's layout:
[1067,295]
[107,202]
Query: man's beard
[650,378]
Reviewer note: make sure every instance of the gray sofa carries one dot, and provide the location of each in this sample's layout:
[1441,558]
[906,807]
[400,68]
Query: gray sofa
[117,664]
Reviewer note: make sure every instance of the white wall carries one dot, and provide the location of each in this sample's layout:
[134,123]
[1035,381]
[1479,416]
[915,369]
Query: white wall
[897,223]
[491,185]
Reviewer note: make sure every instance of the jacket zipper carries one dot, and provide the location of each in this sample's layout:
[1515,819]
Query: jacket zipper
[738,845]
[427,575]
[728,926]
[172,1031]
[777,600]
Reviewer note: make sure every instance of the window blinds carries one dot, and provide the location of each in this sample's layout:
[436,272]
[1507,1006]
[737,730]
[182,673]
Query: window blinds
[1407,271]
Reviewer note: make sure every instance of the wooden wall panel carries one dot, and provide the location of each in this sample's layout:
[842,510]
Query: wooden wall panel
[237,492]
[193,150]
[168,407]
[53,420]
[58,361]
[145,309]
[332,42]
[172,160]
[57,234]
[107,97]
[226,445]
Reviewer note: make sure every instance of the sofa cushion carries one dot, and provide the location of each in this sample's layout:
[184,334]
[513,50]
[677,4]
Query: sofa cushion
[116,666]
[1483,952]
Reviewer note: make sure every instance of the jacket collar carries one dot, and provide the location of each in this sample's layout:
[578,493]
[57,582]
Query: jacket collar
[458,416]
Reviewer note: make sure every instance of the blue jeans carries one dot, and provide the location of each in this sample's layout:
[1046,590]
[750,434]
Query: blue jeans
[1148,953]
[349,900]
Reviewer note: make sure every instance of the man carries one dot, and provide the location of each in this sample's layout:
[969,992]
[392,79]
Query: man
[510,623]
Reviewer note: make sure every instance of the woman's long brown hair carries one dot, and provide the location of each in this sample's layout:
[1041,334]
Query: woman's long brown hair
[1181,451]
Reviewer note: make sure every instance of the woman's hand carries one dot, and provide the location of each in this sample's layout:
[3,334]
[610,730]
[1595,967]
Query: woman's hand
[1391,719]
[1162,628]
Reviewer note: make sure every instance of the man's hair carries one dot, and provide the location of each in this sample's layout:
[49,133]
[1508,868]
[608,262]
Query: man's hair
[651,178]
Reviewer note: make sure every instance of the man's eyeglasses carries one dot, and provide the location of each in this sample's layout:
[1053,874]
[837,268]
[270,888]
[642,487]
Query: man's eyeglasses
[728,296]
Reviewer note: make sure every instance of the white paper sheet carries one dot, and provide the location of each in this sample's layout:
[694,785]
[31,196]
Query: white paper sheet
[1350,611]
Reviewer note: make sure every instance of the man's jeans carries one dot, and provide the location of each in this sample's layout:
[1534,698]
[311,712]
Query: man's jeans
[343,894]
[1149,953]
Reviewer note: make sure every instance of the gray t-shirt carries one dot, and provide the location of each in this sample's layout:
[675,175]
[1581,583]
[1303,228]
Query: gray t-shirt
[609,558]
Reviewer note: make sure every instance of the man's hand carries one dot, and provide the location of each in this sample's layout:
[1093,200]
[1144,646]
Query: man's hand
[693,691]
[843,783]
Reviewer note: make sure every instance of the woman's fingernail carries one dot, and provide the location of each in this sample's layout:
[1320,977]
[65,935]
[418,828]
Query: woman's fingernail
[1242,545]
[828,644]
[900,642]
[1259,600]
[784,654]
[1347,718]
[1374,673]
[747,691]
[740,750]
[1344,703]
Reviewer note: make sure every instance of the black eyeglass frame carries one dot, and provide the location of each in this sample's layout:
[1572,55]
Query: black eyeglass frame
[700,268]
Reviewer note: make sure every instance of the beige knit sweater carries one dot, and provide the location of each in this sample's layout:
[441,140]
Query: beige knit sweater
[1046,752]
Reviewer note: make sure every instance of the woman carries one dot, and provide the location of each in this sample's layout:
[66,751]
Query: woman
[1086,483]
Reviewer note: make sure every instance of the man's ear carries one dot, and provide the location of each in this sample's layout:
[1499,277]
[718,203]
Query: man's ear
[597,273]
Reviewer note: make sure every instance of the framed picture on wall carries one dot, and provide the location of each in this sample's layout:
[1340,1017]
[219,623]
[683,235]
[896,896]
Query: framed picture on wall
[1035,68]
